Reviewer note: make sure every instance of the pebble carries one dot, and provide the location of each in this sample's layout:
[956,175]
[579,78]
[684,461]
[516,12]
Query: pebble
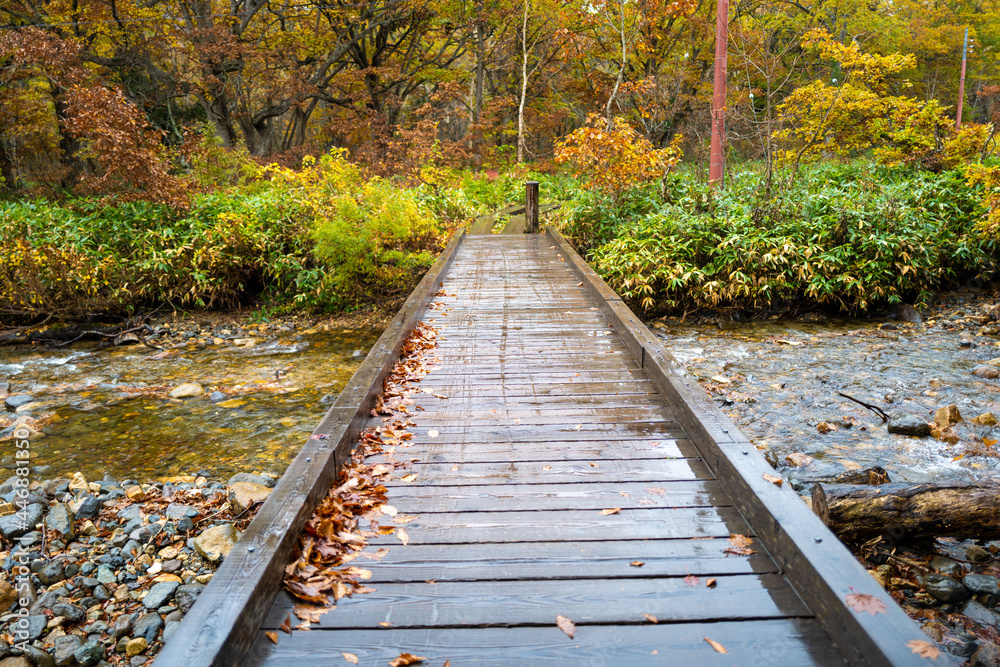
[65,647]
[17,400]
[135,646]
[986,372]
[89,654]
[147,626]
[978,554]
[982,583]
[216,542]
[159,594]
[909,425]
[247,477]
[944,589]
[186,390]
[947,566]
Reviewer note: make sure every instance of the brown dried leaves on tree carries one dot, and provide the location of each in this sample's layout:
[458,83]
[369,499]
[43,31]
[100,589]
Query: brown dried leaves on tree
[332,537]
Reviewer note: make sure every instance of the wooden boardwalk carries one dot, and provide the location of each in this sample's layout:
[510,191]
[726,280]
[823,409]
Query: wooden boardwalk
[560,405]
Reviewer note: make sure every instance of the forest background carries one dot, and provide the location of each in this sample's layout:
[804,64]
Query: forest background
[315,155]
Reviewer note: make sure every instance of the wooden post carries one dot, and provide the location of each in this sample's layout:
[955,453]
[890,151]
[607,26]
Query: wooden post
[961,81]
[531,207]
[716,165]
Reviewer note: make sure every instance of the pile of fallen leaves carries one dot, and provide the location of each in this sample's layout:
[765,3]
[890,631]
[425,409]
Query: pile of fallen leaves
[333,538]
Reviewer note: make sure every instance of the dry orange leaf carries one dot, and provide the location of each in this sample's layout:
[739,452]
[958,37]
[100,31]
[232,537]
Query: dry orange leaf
[350,657]
[650,618]
[406,659]
[711,582]
[273,636]
[406,518]
[637,563]
[613,510]
[716,645]
[403,536]
[409,478]
[566,625]
[657,490]
[389,509]
[773,479]
[385,624]
[546,467]
[286,625]
[862,602]
[924,649]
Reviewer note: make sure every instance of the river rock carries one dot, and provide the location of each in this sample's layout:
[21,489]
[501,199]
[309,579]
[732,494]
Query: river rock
[986,372]
[159,594]
[247,477]
[8,596]
[22,521]
[244,494]
[122,626]
[216,396]
[17,400]
[106,575]
[87,508]
[134,647]
[799,459]
[944,588]
[982,583]
[38,657]
[216,542]
[947,566]
[187,390]
[36,626]
[52,573]
[186,596]
[978,554]
[909,425]
[65,647]
[987,655]
[78,483]
[985,419]
[89,654]
[948,415]
[147,626]
[69,611]
[60,519]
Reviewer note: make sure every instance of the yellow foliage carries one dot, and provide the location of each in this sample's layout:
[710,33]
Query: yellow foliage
[617,157]
[989,178]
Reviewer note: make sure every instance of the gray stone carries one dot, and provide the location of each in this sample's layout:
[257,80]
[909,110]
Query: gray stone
[986,372]
[216,396]
[70,611]
[981,583]
[17,400]
[89,654]
[159,594]
[89,508]
[169,631]
[60,519]
[45,601]
[98,628]
[106,575]
[65,647]
[22,521]
[247,477]
[52,573]
[186,390]
[35,626]
[216,542]
[909,425]
[130,512]
[122,626]
[101,594]
[179,511]
[987,655]
[978,554]
[176,615]
[947,566]
[944,588]
[38,657]
[186,595]
[147,626]
[980,613]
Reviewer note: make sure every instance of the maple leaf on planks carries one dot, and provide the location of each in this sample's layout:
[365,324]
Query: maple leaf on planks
[650,618]
[409,478]
[566,625]
[773,479]
[273,636]
[716,645]
[286,625]
[406,659]
[613,510]
[741,545]
[862,602]
[309,613]
[692,580]
[924,649]
[637,563]
[403,536]
[350,657]
[388,509]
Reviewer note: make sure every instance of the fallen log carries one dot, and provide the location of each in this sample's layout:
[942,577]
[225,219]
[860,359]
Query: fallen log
[953,509]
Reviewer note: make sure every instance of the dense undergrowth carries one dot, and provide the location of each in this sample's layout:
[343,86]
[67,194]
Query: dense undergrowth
[848,237]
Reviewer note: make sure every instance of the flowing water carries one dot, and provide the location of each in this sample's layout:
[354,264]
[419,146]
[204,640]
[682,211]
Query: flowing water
[780,382]
[106,411]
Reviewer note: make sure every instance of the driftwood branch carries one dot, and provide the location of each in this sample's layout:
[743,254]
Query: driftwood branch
[874,408]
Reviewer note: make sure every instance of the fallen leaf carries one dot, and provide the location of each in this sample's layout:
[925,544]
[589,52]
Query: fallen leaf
[825,427]
[692,580]
[403,536]
[924,649]
[546,467]
[406,518]
[517,421]
[578,427]
[273,636]
[406,659]
[432,433]
[594,465]
[710,582]
[389,509]
[350,657]
[410,477]
[793,343]
[454,468]
[657,490]
[385,624]
[773,479]
[637,563]
[614,510]
[286,625]
[623,494]
[566,625]
[716,645]
[738,540]
[862,602]
[650,618]
[721,379]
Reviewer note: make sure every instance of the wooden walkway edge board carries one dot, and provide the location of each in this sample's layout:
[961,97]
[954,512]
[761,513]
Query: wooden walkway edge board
[222,625]
[820,568]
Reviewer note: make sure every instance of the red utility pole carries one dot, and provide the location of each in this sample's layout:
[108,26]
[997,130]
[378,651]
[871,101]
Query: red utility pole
[717,166]
[961,82]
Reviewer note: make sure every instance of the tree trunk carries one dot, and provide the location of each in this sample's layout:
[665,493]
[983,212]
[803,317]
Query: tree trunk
[477,104]
[521,139]
[957,509]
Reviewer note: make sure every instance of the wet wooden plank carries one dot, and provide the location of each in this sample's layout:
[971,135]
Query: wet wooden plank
[472,433]
[758,643]
[558,472]
[511,452]
[538,602]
